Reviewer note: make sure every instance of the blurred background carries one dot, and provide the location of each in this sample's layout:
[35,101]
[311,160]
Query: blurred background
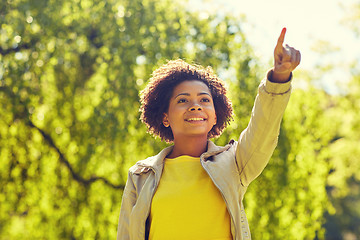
[70,76]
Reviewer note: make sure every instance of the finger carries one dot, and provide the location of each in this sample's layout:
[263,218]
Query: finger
[298,58]
[287,53]
[283,68]
[291,52]
[281,38]
[295,56]
[290,49]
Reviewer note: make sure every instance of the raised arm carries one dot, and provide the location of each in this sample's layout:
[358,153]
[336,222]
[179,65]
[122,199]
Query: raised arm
[258,141]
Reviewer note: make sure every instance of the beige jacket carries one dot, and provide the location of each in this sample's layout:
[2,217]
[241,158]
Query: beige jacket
[231,168]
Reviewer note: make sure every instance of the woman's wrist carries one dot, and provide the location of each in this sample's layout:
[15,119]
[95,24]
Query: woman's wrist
[277,77]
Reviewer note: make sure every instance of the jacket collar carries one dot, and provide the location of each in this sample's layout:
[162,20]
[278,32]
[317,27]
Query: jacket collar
[156,162]
[213,150]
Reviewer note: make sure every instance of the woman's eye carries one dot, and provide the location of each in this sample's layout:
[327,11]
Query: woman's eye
[205,100]
[181,100]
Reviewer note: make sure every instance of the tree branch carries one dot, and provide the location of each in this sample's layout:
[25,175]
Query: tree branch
[62,158]
[17,49]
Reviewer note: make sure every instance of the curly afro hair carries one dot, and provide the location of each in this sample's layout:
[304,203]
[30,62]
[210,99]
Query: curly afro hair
[156,96]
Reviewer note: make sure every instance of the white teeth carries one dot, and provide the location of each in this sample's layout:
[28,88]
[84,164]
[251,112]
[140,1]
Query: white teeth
[195,119]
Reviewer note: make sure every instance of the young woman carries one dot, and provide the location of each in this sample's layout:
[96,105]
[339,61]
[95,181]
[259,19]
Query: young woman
[194,189]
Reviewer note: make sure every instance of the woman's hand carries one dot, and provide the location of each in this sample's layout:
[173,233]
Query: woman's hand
[286,59]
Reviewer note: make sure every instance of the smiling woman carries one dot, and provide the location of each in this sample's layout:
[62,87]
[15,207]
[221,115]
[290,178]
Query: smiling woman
[191,116]
[194,189]
[156,97]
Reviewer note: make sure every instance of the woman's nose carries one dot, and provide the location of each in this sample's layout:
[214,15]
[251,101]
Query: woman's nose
[195,107]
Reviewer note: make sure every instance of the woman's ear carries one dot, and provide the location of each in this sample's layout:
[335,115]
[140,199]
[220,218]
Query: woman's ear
[166,120]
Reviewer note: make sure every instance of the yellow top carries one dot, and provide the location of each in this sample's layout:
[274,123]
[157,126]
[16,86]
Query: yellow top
[187,204]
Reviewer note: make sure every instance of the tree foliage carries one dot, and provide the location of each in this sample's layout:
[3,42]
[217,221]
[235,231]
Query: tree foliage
[70,74]
[343,219]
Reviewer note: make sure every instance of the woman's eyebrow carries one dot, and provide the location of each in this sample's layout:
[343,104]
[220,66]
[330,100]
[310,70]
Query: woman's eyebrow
[204,93]
[188,94]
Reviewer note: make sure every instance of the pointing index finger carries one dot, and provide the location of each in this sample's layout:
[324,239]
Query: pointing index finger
[281,38]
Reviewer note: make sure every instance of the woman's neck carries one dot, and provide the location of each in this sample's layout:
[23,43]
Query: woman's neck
[193,147]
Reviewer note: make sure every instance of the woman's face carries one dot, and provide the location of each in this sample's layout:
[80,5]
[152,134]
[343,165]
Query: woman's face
[191,110]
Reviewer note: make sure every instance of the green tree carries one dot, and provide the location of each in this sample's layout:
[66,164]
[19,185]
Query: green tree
[343,219]
[70,73]
[343,216]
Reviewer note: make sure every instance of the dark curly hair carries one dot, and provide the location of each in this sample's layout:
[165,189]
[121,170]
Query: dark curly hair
[156,96]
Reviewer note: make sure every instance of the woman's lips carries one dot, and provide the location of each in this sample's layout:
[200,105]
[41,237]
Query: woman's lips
[195,119]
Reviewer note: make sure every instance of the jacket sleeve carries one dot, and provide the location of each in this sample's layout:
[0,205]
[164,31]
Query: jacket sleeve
[258,141]
[128,201]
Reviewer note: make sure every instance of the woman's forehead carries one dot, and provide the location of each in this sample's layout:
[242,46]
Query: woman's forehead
[191,87]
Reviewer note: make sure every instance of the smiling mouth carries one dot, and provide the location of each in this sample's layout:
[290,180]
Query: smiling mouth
[195,119]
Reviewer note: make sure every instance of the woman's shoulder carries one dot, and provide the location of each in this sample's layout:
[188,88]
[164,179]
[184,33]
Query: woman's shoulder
[154,163]
[142,166]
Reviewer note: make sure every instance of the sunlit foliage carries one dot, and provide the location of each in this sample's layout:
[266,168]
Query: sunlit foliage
[70,74]
[343,219]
